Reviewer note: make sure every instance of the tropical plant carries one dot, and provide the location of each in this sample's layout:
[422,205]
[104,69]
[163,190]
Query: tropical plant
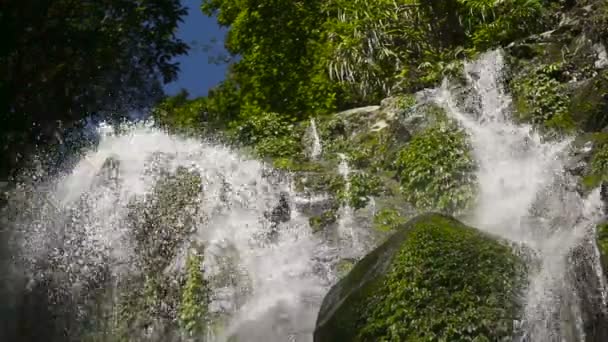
[193,307]
[436,170]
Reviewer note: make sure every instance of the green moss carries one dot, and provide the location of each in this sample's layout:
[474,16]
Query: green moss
[541,98]
[370,150]
[598,167]
[436,170]
[319,182]
[344,266]
[387,220]
[434,280]
[289,164]
[602,244]
[178,114]
[162,219]
[194,303]
[406,102]
[363,186]
[318,223]
[271,134]
[589,103]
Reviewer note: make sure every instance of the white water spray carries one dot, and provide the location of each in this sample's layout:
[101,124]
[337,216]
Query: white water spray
[524,196]
[346,230]
[317,148]
[279,281]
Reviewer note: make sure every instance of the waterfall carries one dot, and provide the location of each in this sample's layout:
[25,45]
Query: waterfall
[525,196]
[317,148]
[73,237]
[276,269]
[346,230]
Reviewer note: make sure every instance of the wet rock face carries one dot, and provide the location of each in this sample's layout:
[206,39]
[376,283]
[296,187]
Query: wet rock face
[282,211]
[161,220]
[588,288]
[435,279]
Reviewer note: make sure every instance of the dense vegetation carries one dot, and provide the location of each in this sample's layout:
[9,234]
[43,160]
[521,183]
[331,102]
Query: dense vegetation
[299,59]
[304,58]
[434,280]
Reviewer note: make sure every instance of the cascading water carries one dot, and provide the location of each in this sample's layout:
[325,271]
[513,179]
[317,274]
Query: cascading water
[525,196]
[317,148]
[278,268]
[267,272]
[346,231]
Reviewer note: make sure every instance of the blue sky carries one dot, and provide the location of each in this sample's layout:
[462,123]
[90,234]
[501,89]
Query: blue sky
[197,75]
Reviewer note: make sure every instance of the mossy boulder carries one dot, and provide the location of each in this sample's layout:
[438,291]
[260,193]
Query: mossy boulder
[436,279]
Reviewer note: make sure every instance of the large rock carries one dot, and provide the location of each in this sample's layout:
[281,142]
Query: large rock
[435,279]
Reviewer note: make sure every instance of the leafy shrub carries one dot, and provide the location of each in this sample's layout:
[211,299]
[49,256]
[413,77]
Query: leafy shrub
[429,294]
[271,134]
[602,244]
[362,187]
[435,279]
[318,223]
[436,170]
[388,219]
[541,98]
[493,22]
[179,114]
[195,299]
[599,163]
[598,170]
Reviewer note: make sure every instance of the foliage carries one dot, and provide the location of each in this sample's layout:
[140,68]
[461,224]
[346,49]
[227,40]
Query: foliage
[62,60]
[370,42]
[177,113]
[602,243]
[362,187]
[271,134]
[194,299]
[436,170]
[162,218]
[599,163]
[280,65]
[492,22]
[435,279]
[376,44]
[388,220]
[598,168]
[541,98]
[299,58]
[370,150]
[318,223]
[429,295]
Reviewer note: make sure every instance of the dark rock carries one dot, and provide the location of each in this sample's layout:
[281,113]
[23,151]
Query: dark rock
[280,213]
[604,194]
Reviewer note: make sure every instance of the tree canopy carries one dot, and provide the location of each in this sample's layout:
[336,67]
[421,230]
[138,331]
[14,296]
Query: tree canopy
[302,58]
[62,60]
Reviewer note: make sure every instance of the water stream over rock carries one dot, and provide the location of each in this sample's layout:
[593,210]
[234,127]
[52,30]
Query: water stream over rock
[75,238]
[526,197]
[267,271]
